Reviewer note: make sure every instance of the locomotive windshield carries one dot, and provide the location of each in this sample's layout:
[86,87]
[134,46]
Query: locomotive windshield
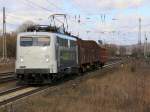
[34,41]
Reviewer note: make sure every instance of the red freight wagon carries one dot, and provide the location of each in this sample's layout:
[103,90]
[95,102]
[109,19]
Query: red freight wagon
[88,52]
[103,56]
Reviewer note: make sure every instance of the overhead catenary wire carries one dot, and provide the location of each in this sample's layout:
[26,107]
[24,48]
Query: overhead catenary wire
[54,5]
[39,6]
[11,24]
[26,3]
[35,5]
[16,17]
[64,10]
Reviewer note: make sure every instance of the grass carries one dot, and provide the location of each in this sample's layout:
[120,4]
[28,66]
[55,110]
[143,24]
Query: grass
[125,90]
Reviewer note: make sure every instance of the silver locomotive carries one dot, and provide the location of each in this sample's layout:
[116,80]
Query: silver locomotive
[43,56]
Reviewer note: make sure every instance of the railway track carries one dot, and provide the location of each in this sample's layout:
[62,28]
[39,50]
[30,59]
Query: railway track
[6,77]
[109,65]
[11,90]
[18,93]
[6,74]
[10,76]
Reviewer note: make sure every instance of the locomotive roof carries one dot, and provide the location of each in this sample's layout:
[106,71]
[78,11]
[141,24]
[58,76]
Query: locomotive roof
[47,33]
[48,28]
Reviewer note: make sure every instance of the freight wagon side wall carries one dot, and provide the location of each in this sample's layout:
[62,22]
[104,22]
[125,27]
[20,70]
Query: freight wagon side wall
[103,55]
[88,52]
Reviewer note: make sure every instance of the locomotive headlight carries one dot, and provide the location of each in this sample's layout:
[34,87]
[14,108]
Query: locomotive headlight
[21,60]
[47,60]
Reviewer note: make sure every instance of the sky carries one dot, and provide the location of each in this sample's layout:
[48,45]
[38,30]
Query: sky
[112,21]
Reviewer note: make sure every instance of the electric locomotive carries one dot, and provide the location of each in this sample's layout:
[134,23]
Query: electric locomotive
[44,55]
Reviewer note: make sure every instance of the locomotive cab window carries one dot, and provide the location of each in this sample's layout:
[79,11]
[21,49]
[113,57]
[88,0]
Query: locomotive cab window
[41,41]
[26,41]
[34,41]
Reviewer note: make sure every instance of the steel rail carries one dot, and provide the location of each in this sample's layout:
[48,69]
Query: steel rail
[19,94]
[6,74]
[23,92]
[7,79]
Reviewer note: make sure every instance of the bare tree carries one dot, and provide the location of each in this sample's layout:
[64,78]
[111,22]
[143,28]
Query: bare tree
[134,52]
[122,51]
[24,26]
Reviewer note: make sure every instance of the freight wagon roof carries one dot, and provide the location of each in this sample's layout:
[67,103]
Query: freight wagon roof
[87,43]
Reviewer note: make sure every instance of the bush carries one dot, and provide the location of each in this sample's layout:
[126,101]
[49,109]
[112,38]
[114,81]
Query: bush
[11,45]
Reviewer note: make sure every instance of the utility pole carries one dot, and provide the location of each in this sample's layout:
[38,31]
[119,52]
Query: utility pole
[78,23]
[145,46]
[139,38]
[4,35]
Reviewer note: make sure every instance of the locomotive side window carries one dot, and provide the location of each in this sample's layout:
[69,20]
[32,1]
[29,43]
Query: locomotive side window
[34,41]
[62,42]
[72,44]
